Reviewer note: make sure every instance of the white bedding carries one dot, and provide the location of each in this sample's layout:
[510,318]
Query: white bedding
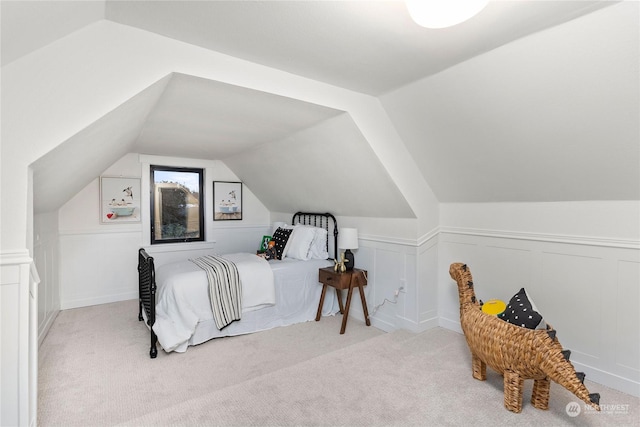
[275,293]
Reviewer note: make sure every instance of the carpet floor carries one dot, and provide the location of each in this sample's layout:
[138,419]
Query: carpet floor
[94,370]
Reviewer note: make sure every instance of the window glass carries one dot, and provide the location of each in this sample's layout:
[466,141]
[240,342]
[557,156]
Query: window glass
[177,208]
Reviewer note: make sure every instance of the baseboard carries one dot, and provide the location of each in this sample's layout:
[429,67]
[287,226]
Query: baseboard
[404,323]
[421,326]
[106,299]
[382,325]
[452,325]
[608,379]
[42,333]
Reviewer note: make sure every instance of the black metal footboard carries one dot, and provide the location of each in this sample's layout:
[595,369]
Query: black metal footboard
[147,295]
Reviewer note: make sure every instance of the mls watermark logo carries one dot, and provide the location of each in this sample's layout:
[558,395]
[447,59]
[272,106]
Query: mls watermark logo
[573,409]
[610,409]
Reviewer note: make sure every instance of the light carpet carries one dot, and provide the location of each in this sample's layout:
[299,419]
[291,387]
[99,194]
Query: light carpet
[95,370]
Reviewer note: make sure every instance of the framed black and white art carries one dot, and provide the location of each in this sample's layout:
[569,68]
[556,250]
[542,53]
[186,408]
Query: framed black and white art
[227,200]
[119,200]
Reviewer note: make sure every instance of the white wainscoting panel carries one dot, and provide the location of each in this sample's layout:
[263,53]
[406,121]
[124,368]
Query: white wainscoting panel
[18,335]
[45,257]
[425,278]
[568,295]
[586,290]
[389,274]
[391,266]
[626,312]
[101,267]
[98,268]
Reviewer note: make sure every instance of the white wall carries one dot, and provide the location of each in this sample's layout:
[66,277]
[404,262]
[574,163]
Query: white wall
[98,262]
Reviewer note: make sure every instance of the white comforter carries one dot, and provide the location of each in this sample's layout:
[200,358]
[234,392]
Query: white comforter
[182,297]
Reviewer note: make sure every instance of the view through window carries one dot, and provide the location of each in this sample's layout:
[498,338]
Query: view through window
[177,208]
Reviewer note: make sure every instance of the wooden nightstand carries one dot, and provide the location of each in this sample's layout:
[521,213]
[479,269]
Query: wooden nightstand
[347,280]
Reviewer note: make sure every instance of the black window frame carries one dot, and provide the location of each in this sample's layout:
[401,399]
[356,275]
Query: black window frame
[152,184]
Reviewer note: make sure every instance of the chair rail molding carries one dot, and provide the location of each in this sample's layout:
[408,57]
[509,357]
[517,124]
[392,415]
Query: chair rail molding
[542,237]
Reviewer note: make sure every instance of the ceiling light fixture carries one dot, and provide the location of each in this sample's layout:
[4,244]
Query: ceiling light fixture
[443,13]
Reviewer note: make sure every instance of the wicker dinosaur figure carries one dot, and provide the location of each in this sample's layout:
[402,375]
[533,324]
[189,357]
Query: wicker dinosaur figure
[515,352]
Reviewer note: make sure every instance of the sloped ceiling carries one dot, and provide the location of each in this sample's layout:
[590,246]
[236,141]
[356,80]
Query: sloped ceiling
[30,25]
[67,169]
[428,81]
[553,117]
[200,118]
[322,159]
[280,147]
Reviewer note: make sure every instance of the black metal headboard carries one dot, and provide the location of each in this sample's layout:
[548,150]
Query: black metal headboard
[321,220]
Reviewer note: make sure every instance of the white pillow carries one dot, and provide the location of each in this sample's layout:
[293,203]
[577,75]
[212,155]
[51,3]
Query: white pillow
[299,243]
[319,245]
[318,249]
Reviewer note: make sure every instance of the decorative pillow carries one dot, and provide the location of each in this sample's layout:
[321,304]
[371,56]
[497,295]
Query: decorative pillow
[300,243]
[281,237]
[521,311]
[281,225]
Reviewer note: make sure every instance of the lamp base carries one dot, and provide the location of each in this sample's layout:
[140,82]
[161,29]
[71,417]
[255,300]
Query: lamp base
[349,260]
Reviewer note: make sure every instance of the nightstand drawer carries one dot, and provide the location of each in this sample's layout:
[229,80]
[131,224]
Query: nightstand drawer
[338,280]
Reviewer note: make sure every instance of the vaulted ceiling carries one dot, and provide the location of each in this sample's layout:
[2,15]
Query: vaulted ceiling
[366,46]
[528,101]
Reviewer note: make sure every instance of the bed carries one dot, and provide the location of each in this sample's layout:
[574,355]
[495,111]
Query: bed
[174,298]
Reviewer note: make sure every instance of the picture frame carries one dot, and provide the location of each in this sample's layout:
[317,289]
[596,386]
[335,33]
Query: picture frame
[264,244]
[119,200]
[227,201]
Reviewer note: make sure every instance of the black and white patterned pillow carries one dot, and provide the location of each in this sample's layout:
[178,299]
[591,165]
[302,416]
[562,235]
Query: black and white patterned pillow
[280,237]
[522,312]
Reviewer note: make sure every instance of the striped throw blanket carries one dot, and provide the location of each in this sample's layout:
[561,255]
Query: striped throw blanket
[225,289]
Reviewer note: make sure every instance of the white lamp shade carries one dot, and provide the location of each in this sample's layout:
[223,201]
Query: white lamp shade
[348,238]
[443,13]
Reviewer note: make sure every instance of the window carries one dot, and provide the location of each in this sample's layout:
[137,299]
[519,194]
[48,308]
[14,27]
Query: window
[177,206]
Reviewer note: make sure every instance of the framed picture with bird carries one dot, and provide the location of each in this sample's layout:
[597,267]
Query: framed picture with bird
[227,200]
[119,199]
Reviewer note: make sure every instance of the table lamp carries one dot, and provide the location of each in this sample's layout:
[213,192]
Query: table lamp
[348,239]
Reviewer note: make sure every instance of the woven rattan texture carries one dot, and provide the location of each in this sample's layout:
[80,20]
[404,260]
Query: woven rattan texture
[515,352]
